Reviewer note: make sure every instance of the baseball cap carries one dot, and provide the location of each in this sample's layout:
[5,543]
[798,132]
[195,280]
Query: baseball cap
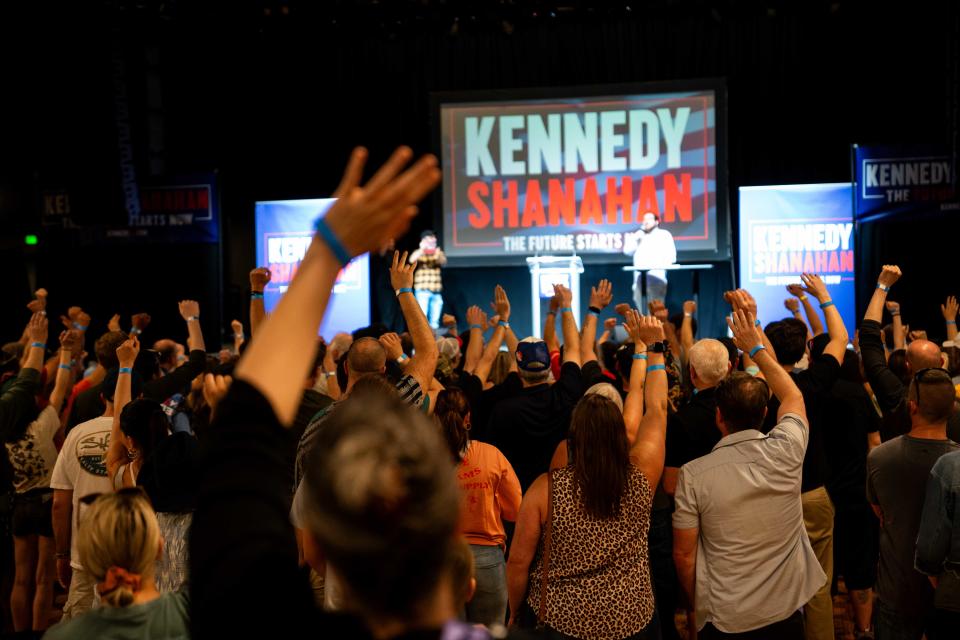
[533,355]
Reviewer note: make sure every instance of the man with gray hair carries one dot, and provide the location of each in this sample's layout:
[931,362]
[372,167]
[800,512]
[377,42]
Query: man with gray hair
[528,426]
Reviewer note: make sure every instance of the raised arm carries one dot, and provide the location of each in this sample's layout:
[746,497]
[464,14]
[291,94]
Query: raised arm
[793,306]
[490,354]
[277,362]
[237,328]
[814,326]
[190,312]
[69,343]
[501,304]
[633,405]
[126,355]
[259,278]
[686,330]
[949,311]
[571,337]
[608,326]
[424,361]
[749,338]
[742,300]
[649,448]
[839,338]
[885,384]
[19,402]
[550,325]
[899,334]
[600,297]
[475,343]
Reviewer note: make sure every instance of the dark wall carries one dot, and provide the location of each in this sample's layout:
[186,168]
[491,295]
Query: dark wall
[275,102]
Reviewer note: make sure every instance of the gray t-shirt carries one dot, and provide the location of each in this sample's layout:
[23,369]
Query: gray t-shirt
[897,473]
[165,618]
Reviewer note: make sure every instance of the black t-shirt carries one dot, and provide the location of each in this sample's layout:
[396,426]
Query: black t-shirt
[86,406]
[482,401]
[814,382]
[692,431]
[528,427]
[848,415]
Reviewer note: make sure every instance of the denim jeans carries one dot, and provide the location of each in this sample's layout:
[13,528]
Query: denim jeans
[431,303]
[890,624]
[489,603]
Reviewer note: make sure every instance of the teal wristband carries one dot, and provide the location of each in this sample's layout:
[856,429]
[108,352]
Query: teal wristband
[38,345]
[506,325]
[951,322]
[882,287]
[593,313]
[135,332]
[332,241]
[656,367]
[565,309]
[256,295]
[79,327]
[639,356]
[756,349]
[756,322]
[65,366]
[123,370]
[828,303]
[404,290]
[476,326]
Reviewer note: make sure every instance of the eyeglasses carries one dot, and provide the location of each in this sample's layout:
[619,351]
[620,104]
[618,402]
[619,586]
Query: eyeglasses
[126,492]
[922,377]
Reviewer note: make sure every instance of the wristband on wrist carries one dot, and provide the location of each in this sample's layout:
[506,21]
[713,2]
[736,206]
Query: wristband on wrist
[79,327]
[828,303]
[639,356]
[593,313]
[595,310]
[256,295]
[565,309]
[656,367]
[896,314]
[135,332]
[404,290]
[803,298]
[756,322]
[332,241]
[687,314]
[504,324]
[756,350]
[476,326]
[38,345]
[239,335]
[67,367]
[124,370]
[951,322]
[402,357]
[883,288]
[193,318]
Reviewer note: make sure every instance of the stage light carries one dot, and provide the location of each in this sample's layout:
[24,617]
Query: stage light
[30,240]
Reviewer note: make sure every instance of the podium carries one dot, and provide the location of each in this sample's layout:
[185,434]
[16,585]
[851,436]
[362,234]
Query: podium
[545,271]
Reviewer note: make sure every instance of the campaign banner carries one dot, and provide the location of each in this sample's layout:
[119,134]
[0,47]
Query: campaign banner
[787,230]
[897,179]
[284,231]
[575,174]
[183,210]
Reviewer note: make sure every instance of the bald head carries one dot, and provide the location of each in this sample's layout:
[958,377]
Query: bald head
[923,354]
[366,356]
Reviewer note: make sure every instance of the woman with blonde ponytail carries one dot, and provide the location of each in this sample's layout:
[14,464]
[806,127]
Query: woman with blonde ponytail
[119,542]
[490,493]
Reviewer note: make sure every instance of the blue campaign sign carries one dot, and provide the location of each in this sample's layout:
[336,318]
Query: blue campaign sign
[904,178]
[787,230]
[284,230]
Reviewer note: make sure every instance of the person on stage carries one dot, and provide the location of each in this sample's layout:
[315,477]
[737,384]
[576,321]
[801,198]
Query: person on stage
[427,281]
[653,249]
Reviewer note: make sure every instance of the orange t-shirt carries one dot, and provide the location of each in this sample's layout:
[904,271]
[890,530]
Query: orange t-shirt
[489,489]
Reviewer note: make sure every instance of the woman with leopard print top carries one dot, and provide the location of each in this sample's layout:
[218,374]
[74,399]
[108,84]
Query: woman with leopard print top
[598,577]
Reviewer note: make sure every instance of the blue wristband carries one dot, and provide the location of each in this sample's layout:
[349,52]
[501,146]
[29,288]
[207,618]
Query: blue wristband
[756,322]
[38,345]
[951,322]
[756,349]
[404,290]
[135,332]
[639,356]
[506,325]
[828,303]
[79,327]
[883,288]
[593,313]
[124,370]
[656,367]
[332,241]
[256,295]
[476,326]
[65,366]
[565,309]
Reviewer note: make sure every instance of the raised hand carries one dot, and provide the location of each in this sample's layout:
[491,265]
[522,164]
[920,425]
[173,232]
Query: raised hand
[650,329]
[746,335]
[214,388]
[70,341]
[113,324]
[365,217]
[690,306]
[189,309]
[73,315]
[38,327]
[401,272]
[740,299]
[892,307]
[949,309]
[127,352]
[475,317]
[554,304]
[601,295]
[448,320]
[352,174]
[392,345]
[795,290]
[631,324]
[565,295]
[622,309]
[493,322]
[658,310]
[792,305]
[889,275]
[814,285]
[609,324]
[501,303]
[140,321]
[259,278]
[917,334]
[39,303]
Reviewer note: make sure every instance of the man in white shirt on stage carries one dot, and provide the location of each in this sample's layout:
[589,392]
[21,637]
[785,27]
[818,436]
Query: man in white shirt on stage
[653,249]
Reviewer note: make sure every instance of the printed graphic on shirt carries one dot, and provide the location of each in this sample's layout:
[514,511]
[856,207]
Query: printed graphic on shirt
[92,453]
[26,459]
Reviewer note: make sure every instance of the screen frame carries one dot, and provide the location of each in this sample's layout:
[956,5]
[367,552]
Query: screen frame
[724,250]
